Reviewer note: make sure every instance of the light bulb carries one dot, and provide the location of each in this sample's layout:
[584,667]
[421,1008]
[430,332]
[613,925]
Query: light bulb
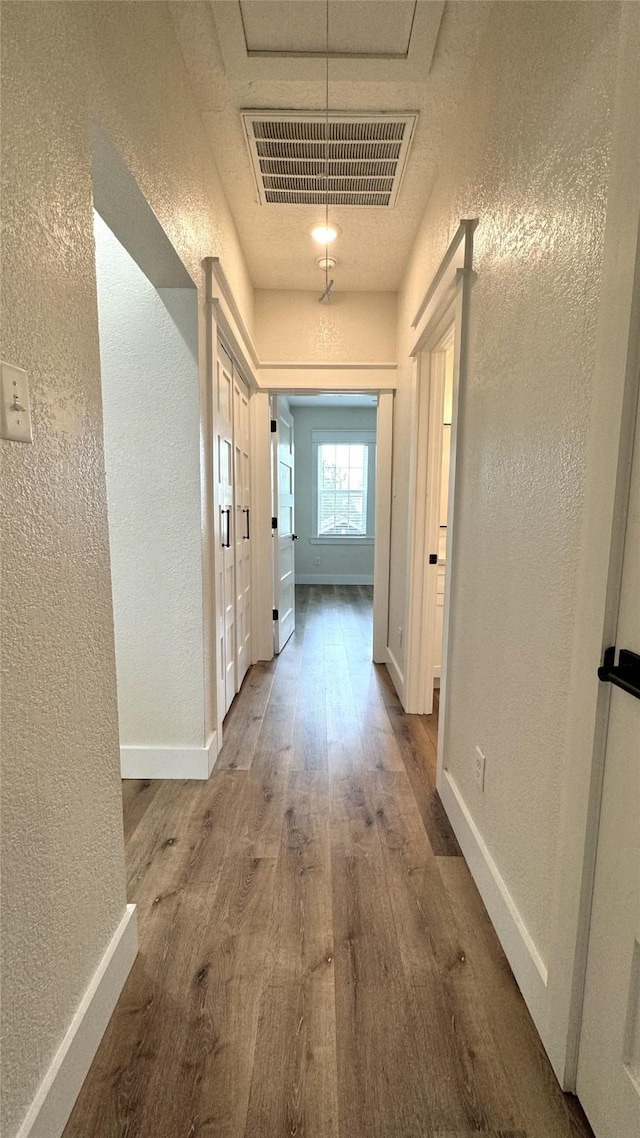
[324,234]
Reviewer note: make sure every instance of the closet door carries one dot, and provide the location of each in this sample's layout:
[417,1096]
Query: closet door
[609,1061]
[225,562]
[242,527]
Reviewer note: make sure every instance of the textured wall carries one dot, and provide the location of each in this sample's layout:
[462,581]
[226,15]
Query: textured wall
[151,416]
[66,66]
[354,327]
[337,560]
[529,158]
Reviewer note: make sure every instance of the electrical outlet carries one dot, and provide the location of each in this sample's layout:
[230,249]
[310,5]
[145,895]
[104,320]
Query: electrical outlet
[479,768]
[317,560]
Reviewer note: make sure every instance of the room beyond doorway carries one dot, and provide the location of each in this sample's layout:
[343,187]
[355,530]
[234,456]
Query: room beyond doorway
[335,488]
[339,471]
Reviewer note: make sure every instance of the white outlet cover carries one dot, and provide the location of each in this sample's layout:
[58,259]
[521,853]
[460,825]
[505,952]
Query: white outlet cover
[480,764]
[15,408]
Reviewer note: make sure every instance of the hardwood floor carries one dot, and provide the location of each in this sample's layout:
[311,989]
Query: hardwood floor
[315,959]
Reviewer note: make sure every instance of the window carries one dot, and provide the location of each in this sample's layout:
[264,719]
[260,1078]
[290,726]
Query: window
[344,481]
[342,489]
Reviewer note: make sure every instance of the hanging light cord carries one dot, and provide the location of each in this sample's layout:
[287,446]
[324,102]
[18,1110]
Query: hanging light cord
[326,155]
[328,284]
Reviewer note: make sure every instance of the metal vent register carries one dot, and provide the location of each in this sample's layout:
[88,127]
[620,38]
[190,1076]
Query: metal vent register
[363,160]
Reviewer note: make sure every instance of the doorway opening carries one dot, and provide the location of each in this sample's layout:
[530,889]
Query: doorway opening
[148,335]
[324,486]
[437,384]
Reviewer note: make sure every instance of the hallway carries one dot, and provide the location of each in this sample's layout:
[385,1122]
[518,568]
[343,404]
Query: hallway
[315,959]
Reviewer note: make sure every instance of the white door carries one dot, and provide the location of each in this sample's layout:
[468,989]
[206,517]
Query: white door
[440,405]
[224,463]
[242,528]
[283,534]
[608,1082]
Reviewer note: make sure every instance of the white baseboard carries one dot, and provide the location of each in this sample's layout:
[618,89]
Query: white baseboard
[526,963]
[334,579]
[169,762]
[48,1114]
[394,671]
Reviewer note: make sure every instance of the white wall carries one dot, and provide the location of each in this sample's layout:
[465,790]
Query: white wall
[355,327]
[151,420]
[529,157]
[66,68]
[347,564]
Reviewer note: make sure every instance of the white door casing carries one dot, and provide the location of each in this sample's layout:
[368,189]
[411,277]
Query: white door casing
[224,505]
[283,535]
[608,1082]
[436,363]
[242,527]
[445,304]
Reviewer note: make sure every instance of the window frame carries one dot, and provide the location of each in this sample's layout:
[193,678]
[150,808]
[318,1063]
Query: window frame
[344,436]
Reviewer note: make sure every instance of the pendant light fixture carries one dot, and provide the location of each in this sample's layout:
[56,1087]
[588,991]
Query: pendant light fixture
[330,232]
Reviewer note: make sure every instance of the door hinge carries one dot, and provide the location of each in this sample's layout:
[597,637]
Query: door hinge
[274,426]
[275,614]
[274,523]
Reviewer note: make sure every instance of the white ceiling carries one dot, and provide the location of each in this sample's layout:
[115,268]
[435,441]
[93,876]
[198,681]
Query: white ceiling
[394,55]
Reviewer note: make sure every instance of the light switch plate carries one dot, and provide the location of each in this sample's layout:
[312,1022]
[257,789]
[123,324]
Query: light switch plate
[15,409]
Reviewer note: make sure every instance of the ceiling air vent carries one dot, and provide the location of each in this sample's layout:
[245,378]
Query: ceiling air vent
[364,157]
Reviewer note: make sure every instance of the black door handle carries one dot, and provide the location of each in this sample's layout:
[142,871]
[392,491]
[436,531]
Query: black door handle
[625,674]
[226,544]
[248,533]
[294,537]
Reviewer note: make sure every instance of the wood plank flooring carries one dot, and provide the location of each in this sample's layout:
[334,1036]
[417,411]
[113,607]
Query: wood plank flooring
[315,960]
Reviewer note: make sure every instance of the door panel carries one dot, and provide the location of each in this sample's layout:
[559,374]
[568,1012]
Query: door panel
[223,449]
[283,508]
[242,528]
[436,505]
[609,1061]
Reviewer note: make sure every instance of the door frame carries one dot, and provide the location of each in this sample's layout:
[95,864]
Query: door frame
[429,367]
[445,304]
[263,631]
[222,322]
[275,410]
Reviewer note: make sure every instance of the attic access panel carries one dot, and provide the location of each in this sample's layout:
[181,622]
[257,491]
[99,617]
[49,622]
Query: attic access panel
[364,157]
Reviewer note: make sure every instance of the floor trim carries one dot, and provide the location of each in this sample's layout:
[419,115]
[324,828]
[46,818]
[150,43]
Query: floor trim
[334,579]
[48,1114]
[169,762]
[397,677]
[526,962]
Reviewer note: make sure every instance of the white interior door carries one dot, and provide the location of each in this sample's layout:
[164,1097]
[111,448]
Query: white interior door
[242,528]
[609,1061]
[436,506]
[283,535]
[225,569]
